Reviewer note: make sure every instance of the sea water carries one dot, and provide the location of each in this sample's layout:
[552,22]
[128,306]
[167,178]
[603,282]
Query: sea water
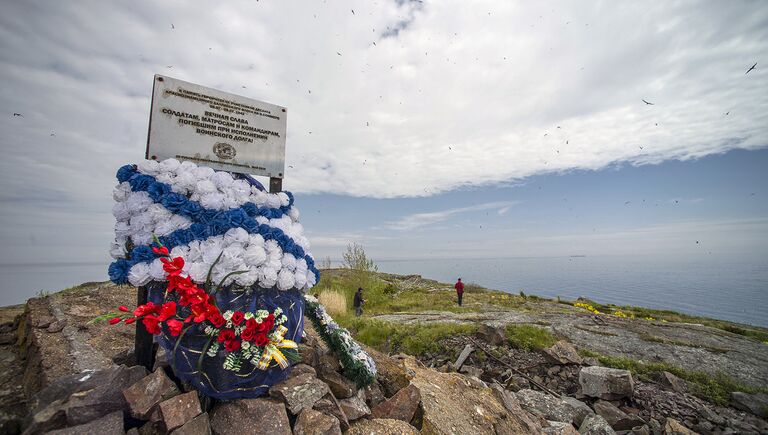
[711,286]
[720,287]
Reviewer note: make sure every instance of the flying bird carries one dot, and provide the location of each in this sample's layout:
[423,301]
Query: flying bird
[751,68]
[641,147]
[726,113]
[18,114]
[353,11]
[650,104]
[338,53]
[173,27]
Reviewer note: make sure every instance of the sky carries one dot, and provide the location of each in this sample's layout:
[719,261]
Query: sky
[419,129]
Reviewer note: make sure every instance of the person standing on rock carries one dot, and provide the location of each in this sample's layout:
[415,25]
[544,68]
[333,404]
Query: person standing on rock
[459,286]
[358,302]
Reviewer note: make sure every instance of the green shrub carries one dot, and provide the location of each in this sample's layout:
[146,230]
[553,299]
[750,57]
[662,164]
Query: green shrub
[528,337]
[413,339]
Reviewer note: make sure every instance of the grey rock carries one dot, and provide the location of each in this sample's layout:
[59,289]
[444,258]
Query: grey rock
[143,395]
[373,394]
[463,357]
[596,425]
[563,352]
[552,408]
[606,383]
[618,419]
[674,427]
[299,392]
[641,430]
[250,416]
[757,404]
[471,371]
[110,424]
[300,369]
[199,425]
[50,417]
[311,422]
[85,406]
[673,382]
[340,386]
[560,428]
[178,410]
[492,335]
[401,406]
[355,407]
[331,406]
[382,426]
[512,405]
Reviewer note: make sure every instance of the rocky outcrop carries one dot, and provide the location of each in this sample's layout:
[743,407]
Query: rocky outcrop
[452,404]
[401,406]
[606,383]
[380,426]
[311,422]
[757,404]
[250,416]
[564,410]
[563,352]
[596,425]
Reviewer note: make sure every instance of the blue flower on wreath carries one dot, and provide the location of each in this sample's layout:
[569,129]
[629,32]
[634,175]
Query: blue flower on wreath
[118,271]
[125,173]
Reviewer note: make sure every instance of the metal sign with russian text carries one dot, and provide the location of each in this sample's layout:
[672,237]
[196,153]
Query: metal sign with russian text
[217,129]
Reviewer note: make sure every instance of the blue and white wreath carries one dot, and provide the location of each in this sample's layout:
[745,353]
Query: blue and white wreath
[198,214]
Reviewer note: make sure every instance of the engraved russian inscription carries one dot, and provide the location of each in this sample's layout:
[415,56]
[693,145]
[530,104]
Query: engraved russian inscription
[222,130]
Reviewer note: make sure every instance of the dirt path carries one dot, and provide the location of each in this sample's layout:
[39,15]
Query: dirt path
[690,346]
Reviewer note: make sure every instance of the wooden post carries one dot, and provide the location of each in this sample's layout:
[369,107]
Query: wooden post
[275,185]
[144,348]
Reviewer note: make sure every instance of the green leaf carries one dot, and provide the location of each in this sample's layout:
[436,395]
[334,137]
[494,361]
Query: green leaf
[203,353]
[225,278]
[210,272]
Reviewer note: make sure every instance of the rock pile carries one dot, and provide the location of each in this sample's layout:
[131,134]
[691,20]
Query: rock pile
[596,399]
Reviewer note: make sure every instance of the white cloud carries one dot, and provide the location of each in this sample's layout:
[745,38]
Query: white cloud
[418,220]
[452,94]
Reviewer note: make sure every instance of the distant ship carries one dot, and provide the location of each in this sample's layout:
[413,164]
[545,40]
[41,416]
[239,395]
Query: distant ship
[577,256]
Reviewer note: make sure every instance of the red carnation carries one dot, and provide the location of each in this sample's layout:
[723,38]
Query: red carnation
[226,335]
[114,320]
[160,251]
[143,310]
[152,324]
[167,311]
[174,326]
[130,320]
[173,267]
[232,345]
[123,308]
[238,317]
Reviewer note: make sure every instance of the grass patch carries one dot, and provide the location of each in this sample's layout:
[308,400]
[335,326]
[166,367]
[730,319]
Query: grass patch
[655,339]
[334,301]
[713,388]
[529,337]
[760,334]
[413,339]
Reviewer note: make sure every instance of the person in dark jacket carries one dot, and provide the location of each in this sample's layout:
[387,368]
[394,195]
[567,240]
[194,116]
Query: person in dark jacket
[459,289]
[358,302]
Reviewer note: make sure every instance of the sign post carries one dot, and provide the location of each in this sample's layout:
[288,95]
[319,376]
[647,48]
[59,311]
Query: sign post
[223,131]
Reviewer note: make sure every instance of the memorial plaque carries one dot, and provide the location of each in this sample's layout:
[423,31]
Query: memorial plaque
[216,129]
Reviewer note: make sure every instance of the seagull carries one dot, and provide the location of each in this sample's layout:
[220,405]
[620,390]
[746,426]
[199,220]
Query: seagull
[641,147]
[338,53]
[627,202]
[53,134]
[650,104]
[751,68]
[353,11]
[726,113]
[169,66]
[290,166]
[18,114]
[697,242]
[173,27]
